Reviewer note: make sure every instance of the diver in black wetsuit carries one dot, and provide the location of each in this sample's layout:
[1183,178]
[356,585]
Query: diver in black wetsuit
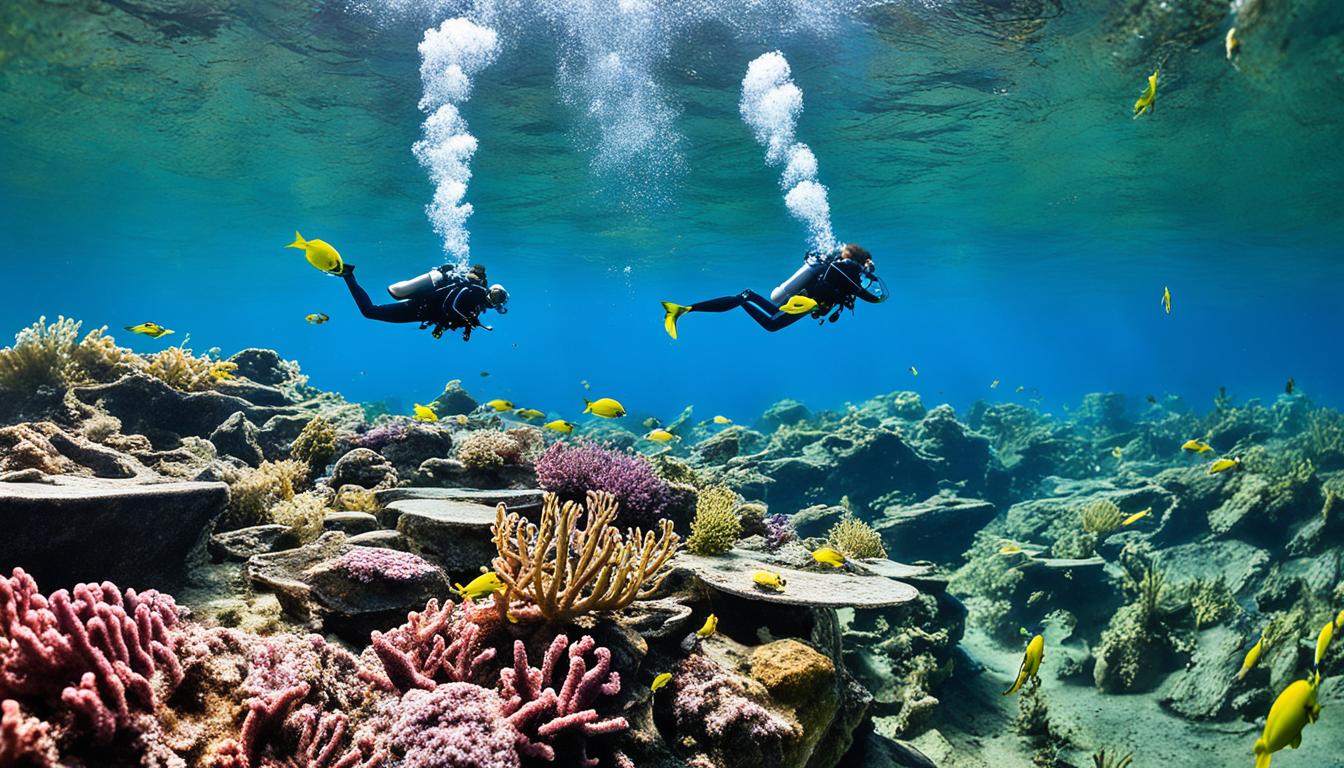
[833,282]
[439,299]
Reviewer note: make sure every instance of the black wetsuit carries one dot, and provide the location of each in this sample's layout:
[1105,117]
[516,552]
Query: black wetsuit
[455,305]
[840,282]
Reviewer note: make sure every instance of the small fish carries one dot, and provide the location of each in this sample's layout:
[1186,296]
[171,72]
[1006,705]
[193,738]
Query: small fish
[1010,548]
[1136,517]
[652,423]
[1196,446]
[1020,389]
[914,371]
[1031,664]
[461,419]
[482,586]
[585,384]
[1166,299]
[1117,452]
[152,330]
[1252,658]
[829,556]
[484,374]
[500,406]
[660,681]
[559,425]
[994,384]
[530,414]
[1290,386]
[769,580]
[1232,45]
[424,413]
[222,371]
[319,253]
[1222,465]
[722,420]
[798,305]
[660,436]
[605,407]
[707,629]
[1323,642]
[1145,104]
[1293,710]
[1151,399]
[317,318]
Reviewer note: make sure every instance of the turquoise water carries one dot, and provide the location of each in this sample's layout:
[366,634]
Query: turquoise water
[157,156]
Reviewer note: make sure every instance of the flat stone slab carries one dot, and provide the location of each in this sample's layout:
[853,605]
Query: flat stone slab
[351,523]
[939,528]
[452,534]
[80,529]
[391,499]
[925,577]
[732,574]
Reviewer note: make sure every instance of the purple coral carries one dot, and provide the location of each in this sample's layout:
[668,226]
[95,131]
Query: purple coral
[778,531]
[455,725]
[719,710]
[434,645]
[96,652]
[369,564]
[388,432]
[544,717]
[573,469]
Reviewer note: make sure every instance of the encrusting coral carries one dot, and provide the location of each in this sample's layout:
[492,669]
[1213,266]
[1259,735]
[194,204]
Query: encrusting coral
[574,561]
[716,527]
[856,539]
[489,449]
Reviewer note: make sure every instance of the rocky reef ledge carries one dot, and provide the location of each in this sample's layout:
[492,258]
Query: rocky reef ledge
[356,588]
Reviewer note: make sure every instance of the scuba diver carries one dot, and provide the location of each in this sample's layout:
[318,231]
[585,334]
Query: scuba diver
[824,285]
[441,298]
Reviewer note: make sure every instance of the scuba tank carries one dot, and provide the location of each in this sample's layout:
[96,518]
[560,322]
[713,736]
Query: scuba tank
[419,286]
[813,264]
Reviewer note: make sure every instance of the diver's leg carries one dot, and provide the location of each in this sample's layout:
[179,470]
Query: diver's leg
[721,304]
[401,312]
[770,319]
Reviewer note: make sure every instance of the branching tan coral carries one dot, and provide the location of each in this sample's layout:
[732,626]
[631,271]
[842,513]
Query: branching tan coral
[53,355]
[716,527]
[253,492]
[352,498]
[181,370]
[574,561]
[1101,516]
[304,514]
[855,538]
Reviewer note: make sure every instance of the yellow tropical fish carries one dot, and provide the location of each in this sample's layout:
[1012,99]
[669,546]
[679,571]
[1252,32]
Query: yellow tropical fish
[1323,642]
[425,413]
[1136,517]
[222,371]
[707,629]
[994,384]
[829,556]
[317,318]
[1010,548]
[1232,45]
[1252,658]
[500,406]
[605,407]
[1166,299]
[559,425]
[152,330]
[1117,452]
[1145,104]
[1293,710]
[482,586]
[1031,664]
[797,305]
[914,371]
[660,436]
[660,681]
[1196,446]
[319,253]
[1222,465]
[769,580]
[1339,620]
[722,420]
[530,414]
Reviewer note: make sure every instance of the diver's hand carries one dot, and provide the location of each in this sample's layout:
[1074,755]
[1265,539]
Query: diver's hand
[487,327]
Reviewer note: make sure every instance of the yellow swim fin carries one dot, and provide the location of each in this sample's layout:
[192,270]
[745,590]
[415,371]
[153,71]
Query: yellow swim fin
[299,242]
[673,311]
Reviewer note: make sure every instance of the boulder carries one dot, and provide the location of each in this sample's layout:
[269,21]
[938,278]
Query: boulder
[277,435]
[524,501]
[252,392]
[364,468]
[806,682]
[451,473]
[1237,563]
[782,413]
[380,538]
[453,534]
[237,437]
[243,543]
[350,523]
[346,589]
[411,446]
[454,400]
[732,574]
[91,529]
[1204,689]
[964,454]
[49,449]
[148,406]
[263,366]
[817,520]
[718,449]
[940,528]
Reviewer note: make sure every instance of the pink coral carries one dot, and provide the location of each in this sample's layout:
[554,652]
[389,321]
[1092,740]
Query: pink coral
[369,564]
[97,651]
[720,710]
[321,736]
[455,725]
[24,740]
[434,645]
[571,470]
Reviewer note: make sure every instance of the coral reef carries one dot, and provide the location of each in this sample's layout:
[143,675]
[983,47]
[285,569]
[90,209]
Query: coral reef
[855,538]
[572,470]
[254,493]
[722,713]
[488,449]
[55,356]
[575,561]
[316,444]
[716,527]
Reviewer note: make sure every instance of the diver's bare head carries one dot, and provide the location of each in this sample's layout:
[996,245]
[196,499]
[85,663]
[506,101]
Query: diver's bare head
[856,252]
